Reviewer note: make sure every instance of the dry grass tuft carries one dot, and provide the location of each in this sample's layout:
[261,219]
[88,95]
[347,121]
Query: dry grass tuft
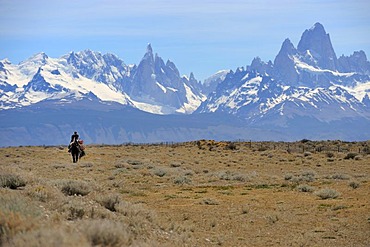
[305,188]
[16,215]
[11,181]
[109,201]
[73,187]
[106,233]
[49,237]
[327,194]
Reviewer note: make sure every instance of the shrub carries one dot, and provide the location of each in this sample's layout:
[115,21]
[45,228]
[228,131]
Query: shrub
[11,181]
[288,176]
[135,162]
[140,220]
[16,215]
[208,201]
[160,172]
[272,219]
[109,202]
[330,155]
[327,194]
[308,176]
[354,184]
[340,176]
[350,156]
[182,180]
[106,233]
[358,157]
[73,187]
[305,188]
[75,210]
[175,164]
[39,193]
[231,146]
[49,237]
[227,175]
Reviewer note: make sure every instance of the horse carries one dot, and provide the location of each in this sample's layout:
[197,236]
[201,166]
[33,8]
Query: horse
[75,151]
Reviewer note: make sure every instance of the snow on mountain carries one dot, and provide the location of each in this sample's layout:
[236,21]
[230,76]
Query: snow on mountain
[210,84]
[306,92]
[303,82]
[153,86]
[159,84]
[316,44]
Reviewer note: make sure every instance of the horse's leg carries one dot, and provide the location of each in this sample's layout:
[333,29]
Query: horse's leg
[74,156]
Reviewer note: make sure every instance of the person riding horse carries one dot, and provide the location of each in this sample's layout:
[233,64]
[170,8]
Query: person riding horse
[75,147]
[75,151]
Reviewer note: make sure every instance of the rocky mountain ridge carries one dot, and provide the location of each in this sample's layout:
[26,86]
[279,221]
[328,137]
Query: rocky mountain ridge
[306,92]
[152,86]
[305,81]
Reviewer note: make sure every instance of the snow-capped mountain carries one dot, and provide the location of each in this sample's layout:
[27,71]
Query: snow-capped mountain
[155,83]
[306,92]
[304,82]
[151,86]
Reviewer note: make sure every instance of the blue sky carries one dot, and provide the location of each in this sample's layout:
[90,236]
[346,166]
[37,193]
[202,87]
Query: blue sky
[200,36]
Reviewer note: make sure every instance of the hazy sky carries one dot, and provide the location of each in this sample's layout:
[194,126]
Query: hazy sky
[200,36]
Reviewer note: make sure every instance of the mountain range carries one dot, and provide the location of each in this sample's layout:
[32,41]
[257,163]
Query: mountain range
[306,92]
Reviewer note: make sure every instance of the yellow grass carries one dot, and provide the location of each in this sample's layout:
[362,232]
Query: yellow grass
[204,193]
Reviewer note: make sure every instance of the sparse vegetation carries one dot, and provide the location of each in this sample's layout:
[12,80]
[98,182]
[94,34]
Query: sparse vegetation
[187,194]
[73,187]
[11,181]
[109,201]
[354,184]
[305,188]
[106,233]
[160,172]
[182,180]
[339,176]
[16,215]
[227,175]
[327,194]
[350,156]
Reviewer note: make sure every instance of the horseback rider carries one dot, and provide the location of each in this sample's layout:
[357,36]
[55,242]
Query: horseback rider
[76,147]
[74,137]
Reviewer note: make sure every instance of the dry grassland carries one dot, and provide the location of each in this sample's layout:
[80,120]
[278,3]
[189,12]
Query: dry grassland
[203,193]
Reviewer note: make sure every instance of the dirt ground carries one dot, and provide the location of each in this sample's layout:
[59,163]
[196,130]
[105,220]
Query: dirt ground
[206,193]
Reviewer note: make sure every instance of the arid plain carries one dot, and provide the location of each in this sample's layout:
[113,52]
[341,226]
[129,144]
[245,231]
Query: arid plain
[202,193]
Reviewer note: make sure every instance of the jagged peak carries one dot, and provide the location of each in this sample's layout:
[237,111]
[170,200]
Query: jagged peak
[41,56]
[317,41]
[89,53]
[315,37]
[169,63]
[287,43]
[37,59]
[192,77]
[360,54]
[149,53]
[5,61]
[149,48]
[318,27]
[287,48]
